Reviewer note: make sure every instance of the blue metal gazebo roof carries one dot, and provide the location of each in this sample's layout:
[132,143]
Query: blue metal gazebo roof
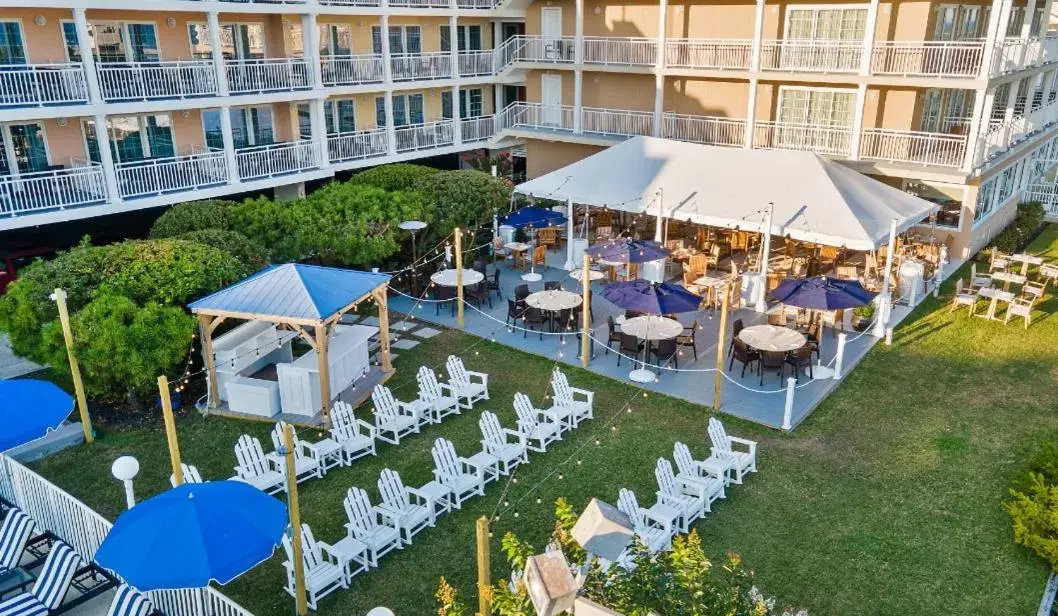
[292,291]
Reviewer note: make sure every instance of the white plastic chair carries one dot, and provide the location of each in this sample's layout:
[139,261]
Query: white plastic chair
[743,460]
[702,474]
[536,426]
[191,474]
[466,384]
[655,532]
[355,436]
[306,465]
[686,498]
[374,527]
[409,507]
[392,416]
[579,401]
[323,567]
[496,441]
[457,473]
[257,469]
[440,397]
[559,415]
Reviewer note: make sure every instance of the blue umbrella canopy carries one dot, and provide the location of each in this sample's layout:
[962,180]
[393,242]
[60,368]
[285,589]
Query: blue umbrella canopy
[29,409]
[822,293]
[650,297]
[624,250]
[534,217]
[194,534]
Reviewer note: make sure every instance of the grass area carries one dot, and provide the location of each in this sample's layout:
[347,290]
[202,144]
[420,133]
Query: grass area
[887,500]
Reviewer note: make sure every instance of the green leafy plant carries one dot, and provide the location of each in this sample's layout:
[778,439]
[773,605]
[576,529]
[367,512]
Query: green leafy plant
[1022,229]
[192,216]
[864,312]
[467,199]
[449,602]
[397,176]
[252,255]
[1034,515]
[484,161]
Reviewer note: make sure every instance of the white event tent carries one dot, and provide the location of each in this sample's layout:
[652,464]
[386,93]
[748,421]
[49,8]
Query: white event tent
[815,199]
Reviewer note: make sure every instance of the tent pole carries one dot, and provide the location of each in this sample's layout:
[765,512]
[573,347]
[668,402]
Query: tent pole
[170,430]
[323,367]
[295,522]
[762,303]
[660,218]
[885,298]
[585,283]
[570,265]
[459,274]
[718,383]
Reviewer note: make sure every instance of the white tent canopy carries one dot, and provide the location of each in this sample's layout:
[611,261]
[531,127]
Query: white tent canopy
[816,200]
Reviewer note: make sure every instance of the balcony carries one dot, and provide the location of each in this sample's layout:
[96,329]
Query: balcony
[159,176]
[536,49]
[927,58]
[814,56]
[351,70]
[615,123]
[1001,136]
[265,161]
[357,3]
[1015,54]
[1047,194]
[82,184]
[475,63]
[534,116]
[24,85]
[129,81]
[901,146]
[421,66]
[704,129]
[711,54]
[606,51]
[357,145]
[833,140]
[268,75]
[424,136]
[480,128]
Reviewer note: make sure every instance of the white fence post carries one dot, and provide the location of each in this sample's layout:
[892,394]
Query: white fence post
[787,415]
[839,359]
[889,336]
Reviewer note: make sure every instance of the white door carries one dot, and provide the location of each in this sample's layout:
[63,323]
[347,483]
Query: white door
[551,99]
[551,32]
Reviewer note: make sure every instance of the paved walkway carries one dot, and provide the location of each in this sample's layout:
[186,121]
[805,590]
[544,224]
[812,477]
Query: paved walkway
[12,365]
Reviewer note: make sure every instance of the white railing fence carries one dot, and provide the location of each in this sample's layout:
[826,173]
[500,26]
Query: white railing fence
[46,190]
[703,129]
[40,84]
[480,128]
[536,115]
[357,145]
[617,122]
[824,56]
[149,80]
[268,74]
[913,147]
[476,63]
[424,136]
[835,140]
[432,65]
[1002,135]
[351,70]
[1047,194]
[540,49]
[715,54]
[276,159]
[927,58]
[162,175]
[620,51]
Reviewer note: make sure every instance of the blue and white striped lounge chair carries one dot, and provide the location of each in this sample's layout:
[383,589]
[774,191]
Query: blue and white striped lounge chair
[14,535]
[130,602]
[50,588]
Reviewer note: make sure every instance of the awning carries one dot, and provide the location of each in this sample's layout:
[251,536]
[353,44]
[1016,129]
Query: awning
[815,199]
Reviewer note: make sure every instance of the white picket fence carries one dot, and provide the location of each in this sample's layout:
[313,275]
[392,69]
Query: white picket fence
[83,529]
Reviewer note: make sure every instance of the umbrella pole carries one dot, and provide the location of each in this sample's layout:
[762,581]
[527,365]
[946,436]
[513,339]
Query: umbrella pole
[459,275]
[585,339]
[75,368]
[170,429]
[724,304]
[295,522]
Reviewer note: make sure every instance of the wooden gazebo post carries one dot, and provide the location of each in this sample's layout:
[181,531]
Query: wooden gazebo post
[205,333]
[324,369]
[383,327]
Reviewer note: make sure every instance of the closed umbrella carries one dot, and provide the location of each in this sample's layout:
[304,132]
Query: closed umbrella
[822,293]
[194,534]
[625,250]
[29,409]
[651,297]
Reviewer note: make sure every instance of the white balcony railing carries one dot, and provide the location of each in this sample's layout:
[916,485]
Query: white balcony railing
[357,145]
[536,116]
[1001,136]
[416,66]
[475,63]
[420,4]
[268,75]
[482,5]
[157,176]
[927,58]
[360,3]
[834,140]
[704,129]
[616,122]
[713,54]
[538,49]
[42,84]
[913,147]
[1015,54]
[1047,194]
[46,190]
[276,159]
[817,56]
[351,70]
[612,51]
[477,129]
[424,136]
[128,81]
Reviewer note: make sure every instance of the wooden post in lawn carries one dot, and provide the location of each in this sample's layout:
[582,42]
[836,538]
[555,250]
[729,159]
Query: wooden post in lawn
[585,283]
[75,368]
[383,329]
[724,304]
[170,430]
[323,367]
[295,522]
[484,583]
[459,275]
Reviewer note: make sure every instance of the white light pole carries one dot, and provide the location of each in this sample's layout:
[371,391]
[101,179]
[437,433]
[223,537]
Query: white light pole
[885,299]
[125,469]
[762,303]
[661,216]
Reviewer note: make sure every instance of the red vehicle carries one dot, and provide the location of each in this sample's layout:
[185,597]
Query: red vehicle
[13,260]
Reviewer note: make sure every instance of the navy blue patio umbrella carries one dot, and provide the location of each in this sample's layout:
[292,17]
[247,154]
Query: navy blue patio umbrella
[651,297]
[822,293]
[533,217]
[624,250]
[29,409]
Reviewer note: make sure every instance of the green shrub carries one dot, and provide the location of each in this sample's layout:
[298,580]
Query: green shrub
[466,198]
[192,216]
[398,176]
[169,271]
[268,223]
[1026,223]
[252,255]
[1034,515]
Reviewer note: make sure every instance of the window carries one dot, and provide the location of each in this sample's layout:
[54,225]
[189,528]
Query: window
[1017,18]
[31,153]
[336,39]
[402,40]
[69,38]
[12,51]
[945,110]
[469,38]
[144,42]
[212,127]
[1021,100]
[984,199]
[237,41]
[380,111]
[827,24]
[250,126]
[407,109]
[470,103]
[123,42]
[134,138]
[341,114]
[305,121]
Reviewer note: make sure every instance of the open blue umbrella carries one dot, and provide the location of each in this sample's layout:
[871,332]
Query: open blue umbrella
[534,217]
[651,297]
[194,534]
[624,250]
[822,293]
[29,409]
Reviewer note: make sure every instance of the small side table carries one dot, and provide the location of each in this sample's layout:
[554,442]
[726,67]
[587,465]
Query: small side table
[718,467]
[351,551]
[488,462]
[664,512]
[438,496]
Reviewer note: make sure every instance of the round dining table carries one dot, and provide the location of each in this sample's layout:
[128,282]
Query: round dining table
[577,274]
[772,338]
[447,277]
[649,328]
[554,300]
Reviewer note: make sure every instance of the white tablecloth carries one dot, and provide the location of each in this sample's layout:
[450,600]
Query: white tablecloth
[1008,277]
[447,278]
[772,338]
[578,273]
[517,246]
[1030,259]
[652,327]
[993,293]
[553,300]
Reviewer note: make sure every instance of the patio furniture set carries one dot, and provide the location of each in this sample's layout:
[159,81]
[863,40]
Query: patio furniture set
[553,307]
[478,286]
[994,287]
[773,347]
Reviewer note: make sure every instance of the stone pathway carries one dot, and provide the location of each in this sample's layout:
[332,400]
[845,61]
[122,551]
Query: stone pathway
[12,365]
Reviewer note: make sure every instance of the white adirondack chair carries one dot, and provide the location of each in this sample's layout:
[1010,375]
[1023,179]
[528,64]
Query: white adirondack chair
[496,441]
[355,436]
[687,498]
[466,384]
[257,469]
[457,473]
[655,532]
[306,465]
[707,475]
[323,568]
[374,527]
[408,506]
[560,416]
[392,416]
[191,474]
[579,401]
[536,426]
[742,461]
[440,397]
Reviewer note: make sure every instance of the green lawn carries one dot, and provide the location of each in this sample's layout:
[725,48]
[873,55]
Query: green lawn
[887,500]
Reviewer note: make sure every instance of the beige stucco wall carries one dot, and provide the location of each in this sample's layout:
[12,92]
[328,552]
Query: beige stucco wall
[546,156]
[615,90]
[43,43]
[187,130]
[706,97]
[64,142]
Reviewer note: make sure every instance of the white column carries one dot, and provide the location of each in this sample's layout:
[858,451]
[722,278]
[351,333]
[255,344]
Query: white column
[319,131]
[387,78]
[1045,21]
[659,69]
[578,99]
[1012,100]
[578,33]
[497,34]
[1026,27]
[106,158]
[885,299]
[310,40]
[751,113]
[453,40]
[391,130]
[978,123]
[84,44]
[9,151]
[857,121]
[758,33]
[995,15]
[762,302]
[213,26]
[570,265]
[868,37]
[660,219]
[229,145]
[457,117]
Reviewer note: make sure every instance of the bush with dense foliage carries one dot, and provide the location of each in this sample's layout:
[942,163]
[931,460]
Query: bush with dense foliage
[1020,232]
[193,216]
[1033,511]
[466,198]
[250,254]
[398,176]
[680,581]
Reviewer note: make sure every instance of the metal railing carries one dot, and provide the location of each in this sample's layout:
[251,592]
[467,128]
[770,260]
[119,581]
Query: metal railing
[156,176]
[276,159]
[927,58]
[820,56]
[538,49]
[1014,54]
[424,136]
[42,84]
[363,3]
[1003,135]
[268,75]
[536,116]
[477,4]
[616,122]
[913,147]
[715,54]
[613,51]
[350,70]
[1046,193]
[357,145]
[704,129]
[835,140]
[475,63]
[415,66]
[46,190]
[480,128]
[420,4]
[127,81]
